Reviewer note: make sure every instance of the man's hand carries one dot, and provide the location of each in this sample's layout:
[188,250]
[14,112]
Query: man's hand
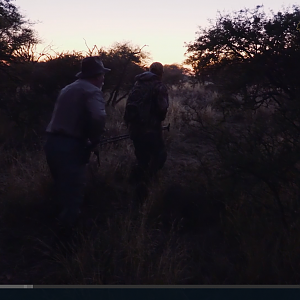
[91,147]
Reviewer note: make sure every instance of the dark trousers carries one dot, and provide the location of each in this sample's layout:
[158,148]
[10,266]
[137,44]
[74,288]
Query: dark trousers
[66,158]
[150,152]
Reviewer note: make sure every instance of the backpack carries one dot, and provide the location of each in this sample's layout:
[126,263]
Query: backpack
[139,106]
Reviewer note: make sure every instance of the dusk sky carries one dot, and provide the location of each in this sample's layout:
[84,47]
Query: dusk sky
[163,25]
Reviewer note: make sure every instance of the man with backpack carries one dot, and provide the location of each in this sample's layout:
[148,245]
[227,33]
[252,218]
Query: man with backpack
[146,108]
[76,126]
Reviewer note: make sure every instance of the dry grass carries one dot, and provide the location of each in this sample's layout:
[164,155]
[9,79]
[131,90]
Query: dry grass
[195,226]
[127,252]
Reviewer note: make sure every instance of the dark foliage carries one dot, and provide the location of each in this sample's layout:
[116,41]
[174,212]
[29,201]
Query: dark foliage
[253,59]
[174,75]
[125,62]
[15,35]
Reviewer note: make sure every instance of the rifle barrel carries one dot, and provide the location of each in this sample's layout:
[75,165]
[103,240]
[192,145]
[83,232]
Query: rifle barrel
[125,136]
[116,138]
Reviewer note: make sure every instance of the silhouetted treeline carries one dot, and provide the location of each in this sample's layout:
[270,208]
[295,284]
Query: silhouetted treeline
[31,81]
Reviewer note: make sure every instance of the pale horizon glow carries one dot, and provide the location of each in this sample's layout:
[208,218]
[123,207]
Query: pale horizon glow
[164,26]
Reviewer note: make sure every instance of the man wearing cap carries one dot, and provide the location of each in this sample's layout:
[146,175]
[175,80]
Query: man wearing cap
[147,139]
[77,122]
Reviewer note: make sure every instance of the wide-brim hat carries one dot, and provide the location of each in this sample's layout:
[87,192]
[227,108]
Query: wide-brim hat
[91,66]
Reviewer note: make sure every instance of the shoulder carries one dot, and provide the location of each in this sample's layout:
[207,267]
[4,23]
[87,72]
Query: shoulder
[96,95]
[85,85]
[161,87]
[89,89]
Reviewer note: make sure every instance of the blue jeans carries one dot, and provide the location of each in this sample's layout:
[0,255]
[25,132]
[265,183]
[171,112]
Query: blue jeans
[67,158]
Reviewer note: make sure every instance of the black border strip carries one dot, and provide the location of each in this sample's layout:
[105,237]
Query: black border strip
[154,293]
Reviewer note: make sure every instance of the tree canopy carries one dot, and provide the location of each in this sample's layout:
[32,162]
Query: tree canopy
[174,74]
[249,48]
[125,61]
[253,60]
[16,34]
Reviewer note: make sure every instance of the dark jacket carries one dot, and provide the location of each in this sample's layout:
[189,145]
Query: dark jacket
[161,104]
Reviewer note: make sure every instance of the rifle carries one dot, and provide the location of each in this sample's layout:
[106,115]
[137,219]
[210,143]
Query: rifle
[118,138]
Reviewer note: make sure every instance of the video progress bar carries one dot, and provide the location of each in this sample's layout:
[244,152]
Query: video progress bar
[16,286]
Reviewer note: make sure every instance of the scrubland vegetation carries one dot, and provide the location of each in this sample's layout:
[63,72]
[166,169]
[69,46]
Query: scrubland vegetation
[225,209]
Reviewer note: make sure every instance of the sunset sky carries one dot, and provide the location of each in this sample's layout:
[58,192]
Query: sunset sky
[163,25]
